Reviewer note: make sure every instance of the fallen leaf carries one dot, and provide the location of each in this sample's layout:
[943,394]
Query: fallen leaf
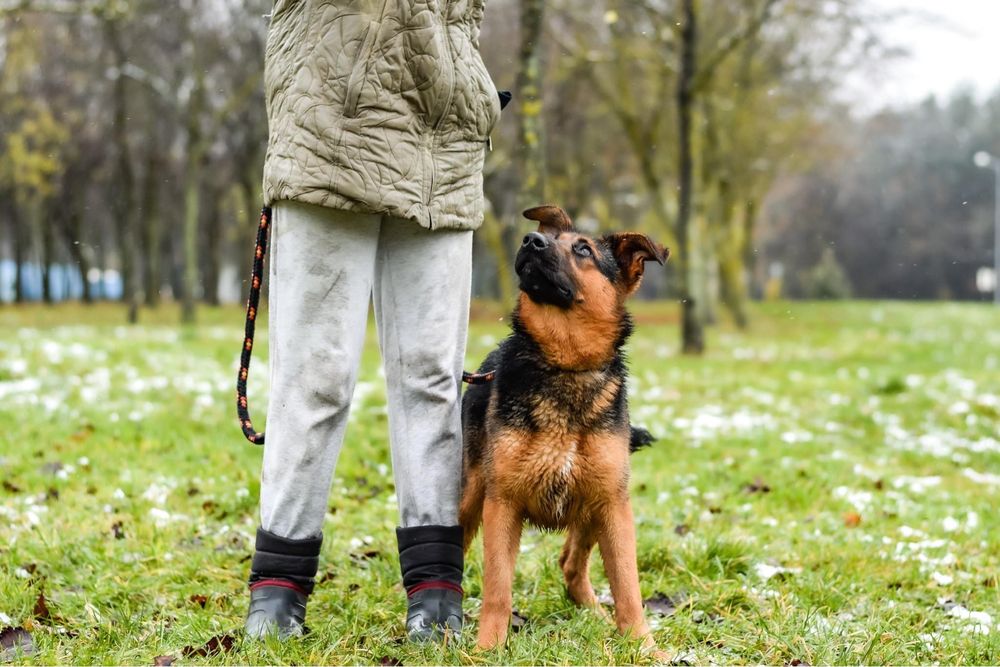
[163,661]
[757,486]
[665,605]
[83,433]
[852,519]
[366,555]
[41,610]
[517,621]
[217,644]
[198,599]
[14,642]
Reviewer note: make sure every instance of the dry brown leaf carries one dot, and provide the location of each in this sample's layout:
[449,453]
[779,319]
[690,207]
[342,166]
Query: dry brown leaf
[217,644]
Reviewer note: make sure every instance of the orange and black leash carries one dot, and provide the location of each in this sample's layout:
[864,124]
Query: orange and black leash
[256,278]
[253,303]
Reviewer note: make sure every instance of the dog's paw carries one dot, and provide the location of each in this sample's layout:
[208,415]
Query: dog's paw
[661,657]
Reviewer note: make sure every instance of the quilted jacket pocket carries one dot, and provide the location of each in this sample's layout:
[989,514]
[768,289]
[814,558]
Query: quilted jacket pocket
[359,72]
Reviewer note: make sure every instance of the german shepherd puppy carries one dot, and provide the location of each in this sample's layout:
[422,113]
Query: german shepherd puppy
[548,440]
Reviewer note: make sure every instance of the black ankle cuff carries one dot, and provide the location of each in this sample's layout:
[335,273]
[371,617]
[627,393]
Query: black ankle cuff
[431,555]
[283,558]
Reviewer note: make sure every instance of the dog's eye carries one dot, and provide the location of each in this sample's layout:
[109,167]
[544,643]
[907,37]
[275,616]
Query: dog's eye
[583,250]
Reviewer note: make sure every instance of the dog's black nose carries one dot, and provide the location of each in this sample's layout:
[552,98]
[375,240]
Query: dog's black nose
[535,241]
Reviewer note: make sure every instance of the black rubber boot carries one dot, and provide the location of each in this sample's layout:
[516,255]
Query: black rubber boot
[281,579]
[276,609]
[431,561]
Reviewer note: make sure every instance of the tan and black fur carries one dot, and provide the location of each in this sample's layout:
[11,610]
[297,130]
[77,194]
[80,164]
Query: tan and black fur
[548,440]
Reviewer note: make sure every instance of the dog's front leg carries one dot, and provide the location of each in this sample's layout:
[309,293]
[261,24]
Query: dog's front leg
[616,539]
[501,539]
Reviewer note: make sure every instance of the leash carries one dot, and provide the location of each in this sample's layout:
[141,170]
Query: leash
[256,279]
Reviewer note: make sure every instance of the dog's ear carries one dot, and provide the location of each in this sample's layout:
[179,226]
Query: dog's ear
[632,250]
[551,219]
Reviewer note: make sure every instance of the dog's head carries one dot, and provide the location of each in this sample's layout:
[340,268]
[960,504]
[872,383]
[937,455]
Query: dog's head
[560,267]
[573,286]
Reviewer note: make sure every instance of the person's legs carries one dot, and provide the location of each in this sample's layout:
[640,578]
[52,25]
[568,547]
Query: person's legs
[421,293]
[322,272]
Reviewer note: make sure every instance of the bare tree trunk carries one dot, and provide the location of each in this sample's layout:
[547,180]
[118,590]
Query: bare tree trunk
[692,336]
[247,229]
[531,148]
[529,155]
[492,234]
[748,250]
[733,291]
[101,262]
[19,252]
[72,231]
[192,203]
[152,234]
[192,198]
[213,240]
[122,204]
[48,249]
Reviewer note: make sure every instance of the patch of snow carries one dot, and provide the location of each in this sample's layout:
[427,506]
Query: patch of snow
[765,571]
[986,478]
[942,579]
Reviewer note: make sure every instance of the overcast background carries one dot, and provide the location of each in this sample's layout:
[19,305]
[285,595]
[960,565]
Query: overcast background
[949,43]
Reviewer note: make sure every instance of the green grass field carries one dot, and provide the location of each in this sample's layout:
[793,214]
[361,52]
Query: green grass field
[824,491]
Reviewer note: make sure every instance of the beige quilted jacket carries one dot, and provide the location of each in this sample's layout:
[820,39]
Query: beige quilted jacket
[379,106]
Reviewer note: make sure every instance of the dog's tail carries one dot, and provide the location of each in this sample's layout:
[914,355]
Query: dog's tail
[639,438]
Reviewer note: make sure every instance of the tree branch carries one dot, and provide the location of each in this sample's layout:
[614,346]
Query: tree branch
[729,44]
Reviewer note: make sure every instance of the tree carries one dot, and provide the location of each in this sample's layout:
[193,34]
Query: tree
[122,202]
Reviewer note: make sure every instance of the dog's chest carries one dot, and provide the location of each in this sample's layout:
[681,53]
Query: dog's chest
[556,474]
[558,444]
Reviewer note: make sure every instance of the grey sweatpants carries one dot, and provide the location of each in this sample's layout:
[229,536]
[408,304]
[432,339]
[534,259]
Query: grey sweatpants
[326,266]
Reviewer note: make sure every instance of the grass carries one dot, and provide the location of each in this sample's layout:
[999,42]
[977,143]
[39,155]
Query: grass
[823,491]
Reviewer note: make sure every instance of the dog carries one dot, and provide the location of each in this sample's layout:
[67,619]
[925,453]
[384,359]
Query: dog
[548,440]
